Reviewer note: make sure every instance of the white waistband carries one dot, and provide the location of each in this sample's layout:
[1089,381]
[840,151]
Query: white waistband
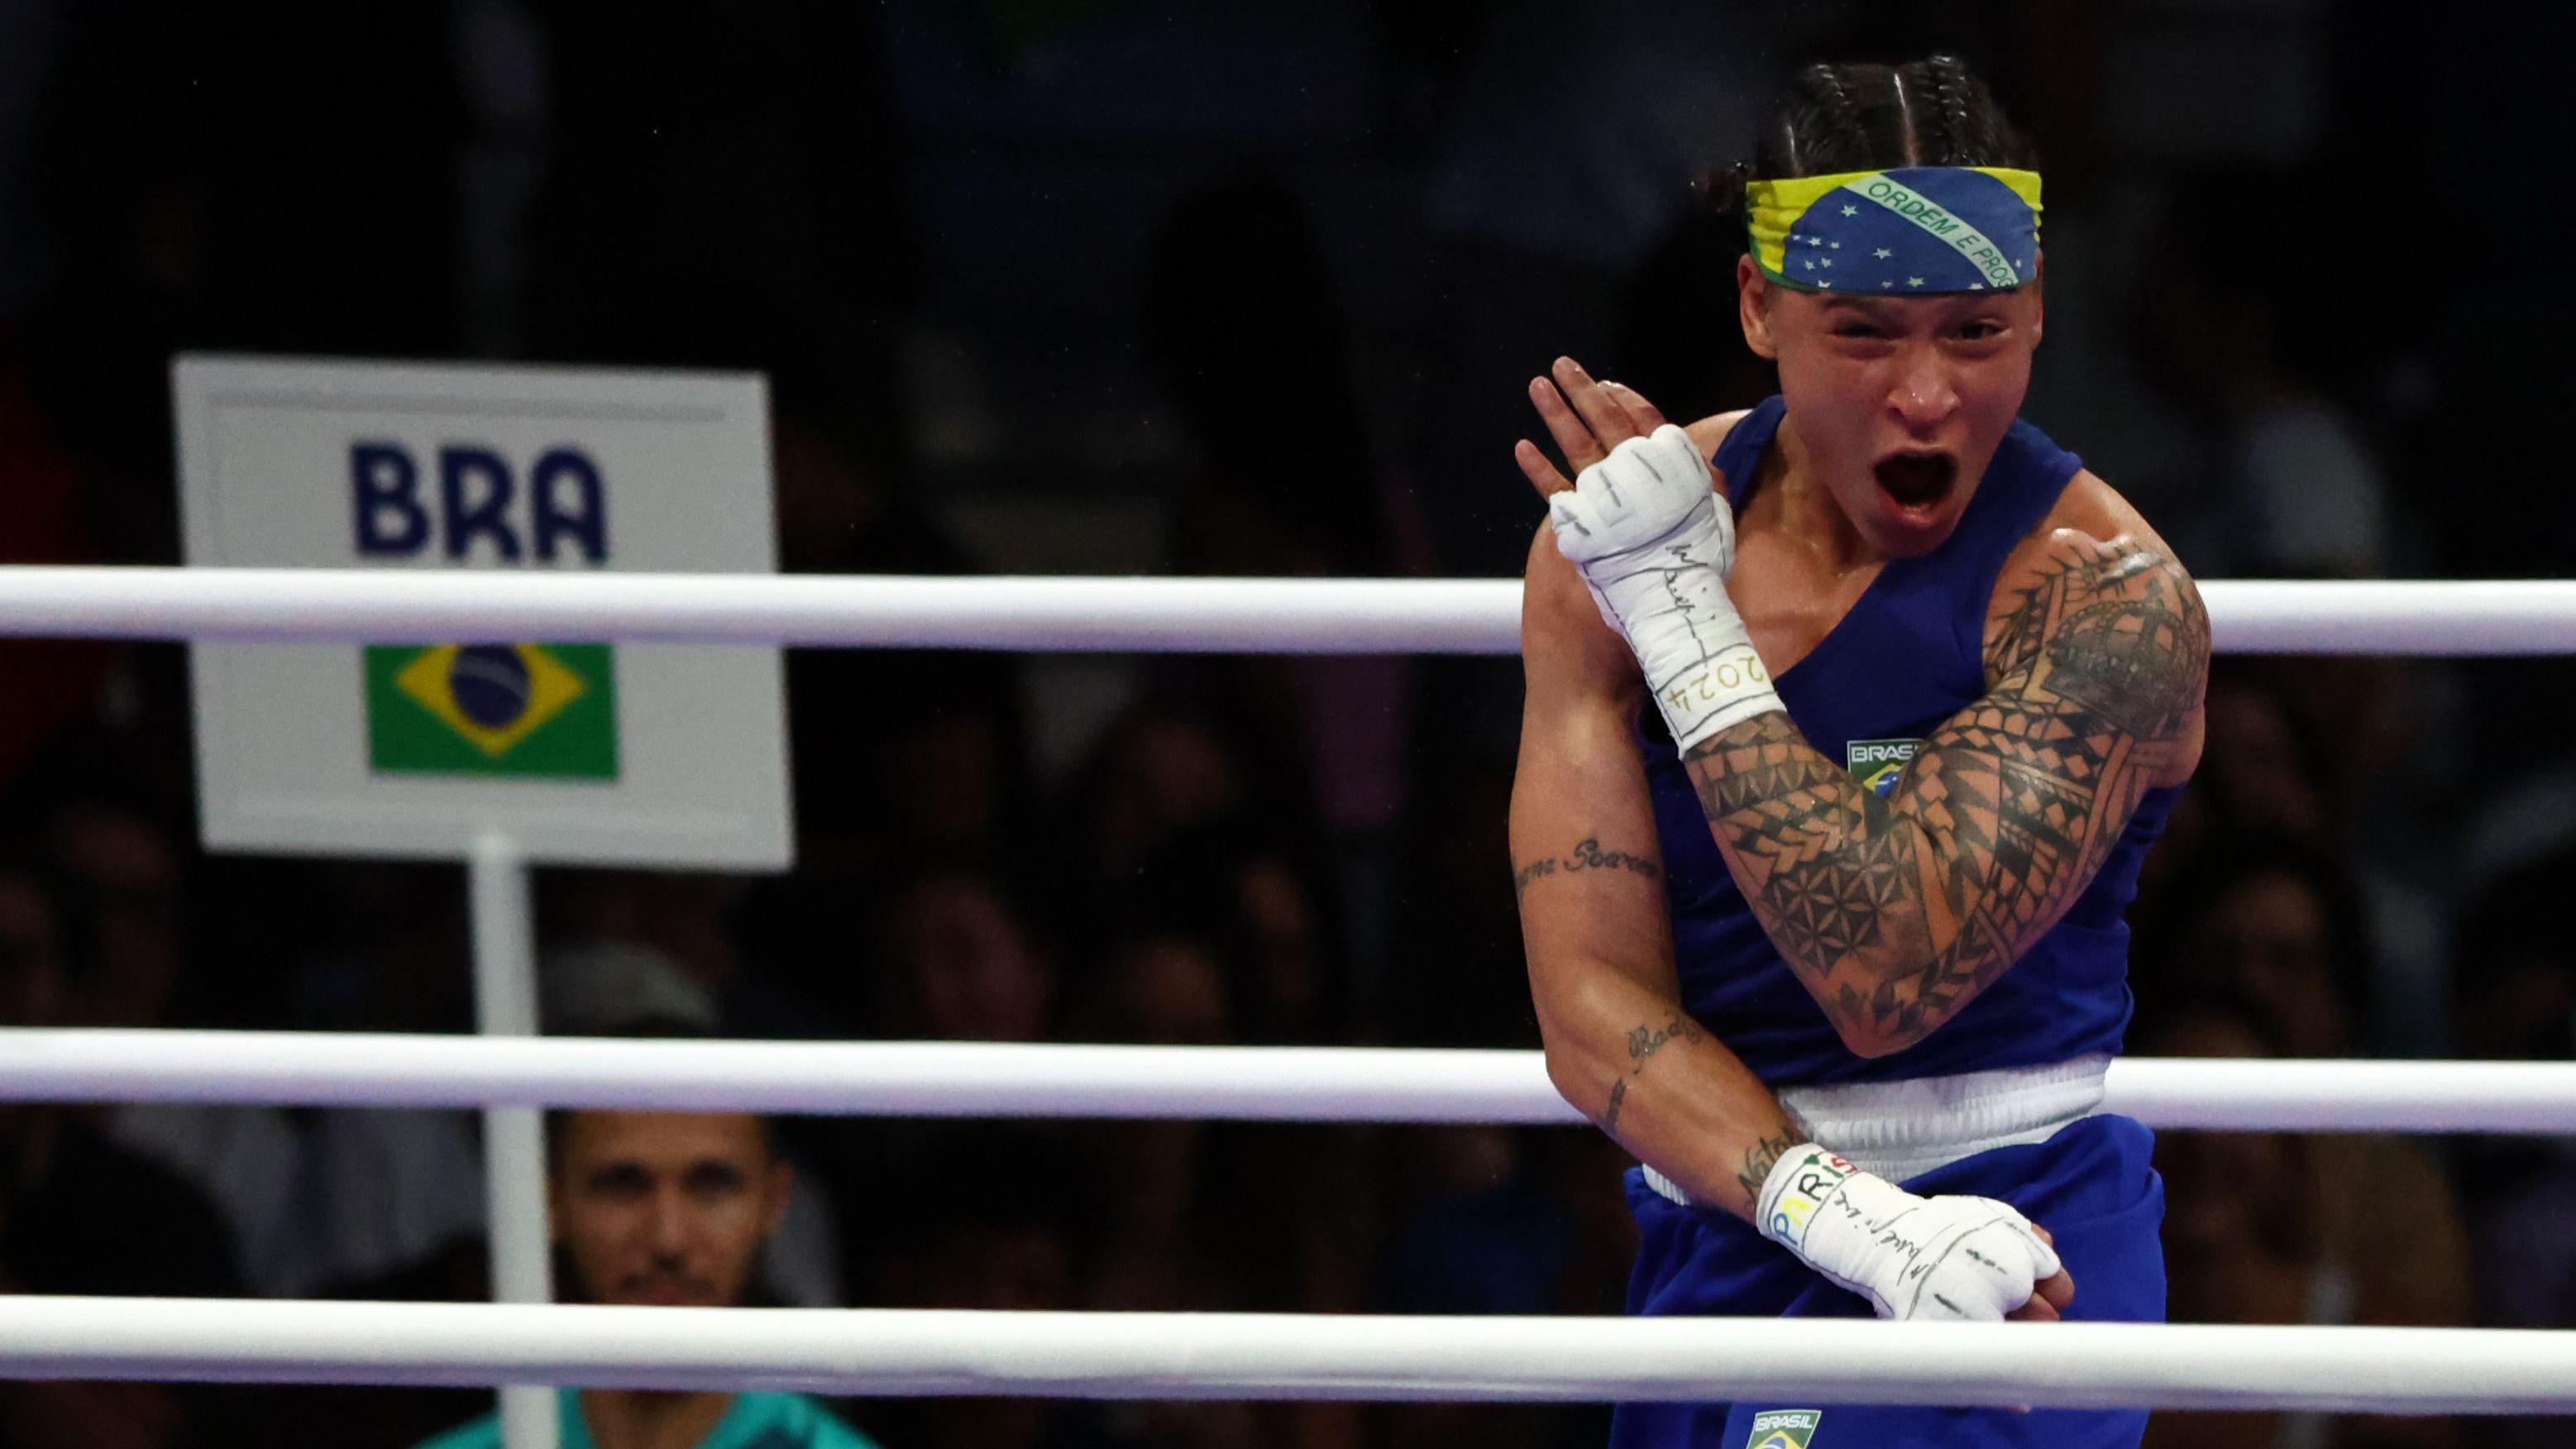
[1904,1129]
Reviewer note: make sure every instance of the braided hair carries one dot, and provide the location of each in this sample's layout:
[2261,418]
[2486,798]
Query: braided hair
[1834,106]
[1950,87]
[1864,117]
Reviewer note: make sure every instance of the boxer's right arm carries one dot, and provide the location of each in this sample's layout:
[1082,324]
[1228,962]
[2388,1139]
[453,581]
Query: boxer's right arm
[1589,873]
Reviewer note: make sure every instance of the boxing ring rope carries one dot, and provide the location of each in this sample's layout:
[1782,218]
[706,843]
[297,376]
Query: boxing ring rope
[1297,616]
[1227,1356]
[1241,1084]
[886,1352]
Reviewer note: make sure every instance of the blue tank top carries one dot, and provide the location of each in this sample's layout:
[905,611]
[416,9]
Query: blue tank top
[1907,657]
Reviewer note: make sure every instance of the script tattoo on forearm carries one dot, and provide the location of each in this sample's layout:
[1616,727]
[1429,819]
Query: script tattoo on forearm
[1759,1159]
[1643,1042]
[1895,912]
[1586,855]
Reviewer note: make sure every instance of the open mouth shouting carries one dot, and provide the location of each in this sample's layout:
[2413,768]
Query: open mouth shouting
[1917,484]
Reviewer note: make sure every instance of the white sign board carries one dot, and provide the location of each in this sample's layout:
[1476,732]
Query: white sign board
[574,750]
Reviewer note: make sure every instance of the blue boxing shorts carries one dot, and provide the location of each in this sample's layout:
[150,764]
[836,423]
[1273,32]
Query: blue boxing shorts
[2091,1184]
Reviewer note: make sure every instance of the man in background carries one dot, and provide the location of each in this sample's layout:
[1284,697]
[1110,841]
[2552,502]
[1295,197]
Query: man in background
[672,1209]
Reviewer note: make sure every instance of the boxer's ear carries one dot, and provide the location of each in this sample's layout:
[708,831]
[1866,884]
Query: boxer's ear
[1754,294]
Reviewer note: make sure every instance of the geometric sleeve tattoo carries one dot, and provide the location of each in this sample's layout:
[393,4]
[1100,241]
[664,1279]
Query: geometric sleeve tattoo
[1895,912]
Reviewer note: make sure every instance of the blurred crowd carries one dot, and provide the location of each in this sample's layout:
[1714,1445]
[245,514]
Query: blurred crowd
[1108,286]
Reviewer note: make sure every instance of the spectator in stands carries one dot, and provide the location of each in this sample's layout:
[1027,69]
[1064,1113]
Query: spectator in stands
[2273,918]
[2514,999]
[1258,911]
[606,986]
[1160,771]
[676,936]
[2514,983]
[2264,767]
[2377,1239]
[2513,989]
[126,870]
[1009,1251]
[1164,987]
[668,1208]
[337,1201]
[81,1214]
[961,963]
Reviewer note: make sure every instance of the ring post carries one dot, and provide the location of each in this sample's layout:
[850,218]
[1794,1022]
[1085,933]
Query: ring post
[514,1165]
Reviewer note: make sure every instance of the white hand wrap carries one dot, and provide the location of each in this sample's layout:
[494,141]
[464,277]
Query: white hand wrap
[1654,543]
[1911,1257]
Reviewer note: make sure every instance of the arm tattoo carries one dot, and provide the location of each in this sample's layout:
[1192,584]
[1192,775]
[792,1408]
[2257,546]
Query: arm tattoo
[1644,1042]
[1586,855]
[1522,878]
[1895,912]
[1759,1159]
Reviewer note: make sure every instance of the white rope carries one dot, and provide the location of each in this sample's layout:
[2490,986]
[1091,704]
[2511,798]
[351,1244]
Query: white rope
[1293,616]
[880,1352]
[1276,1084]
[1289,616]
[895,1079]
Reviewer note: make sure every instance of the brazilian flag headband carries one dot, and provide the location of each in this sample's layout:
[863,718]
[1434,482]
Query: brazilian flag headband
[1903,232]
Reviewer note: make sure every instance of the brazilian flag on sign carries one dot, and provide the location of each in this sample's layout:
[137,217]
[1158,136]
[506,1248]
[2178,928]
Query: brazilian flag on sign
[546,710]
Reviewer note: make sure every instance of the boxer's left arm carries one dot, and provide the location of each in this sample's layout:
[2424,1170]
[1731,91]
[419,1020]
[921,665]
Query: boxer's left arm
[1896,912]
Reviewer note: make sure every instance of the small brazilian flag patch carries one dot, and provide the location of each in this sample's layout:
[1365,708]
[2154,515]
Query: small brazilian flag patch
[1784,1428]
[544,710]
[1878,763]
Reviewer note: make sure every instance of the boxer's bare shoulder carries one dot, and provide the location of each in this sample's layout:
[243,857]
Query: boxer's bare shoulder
[1710,432]
[2095,585]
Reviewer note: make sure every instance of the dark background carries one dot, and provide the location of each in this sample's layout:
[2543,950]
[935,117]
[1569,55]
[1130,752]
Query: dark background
[1252,288]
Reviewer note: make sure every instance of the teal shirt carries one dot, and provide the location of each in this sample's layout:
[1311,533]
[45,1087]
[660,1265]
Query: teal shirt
[756,1421]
